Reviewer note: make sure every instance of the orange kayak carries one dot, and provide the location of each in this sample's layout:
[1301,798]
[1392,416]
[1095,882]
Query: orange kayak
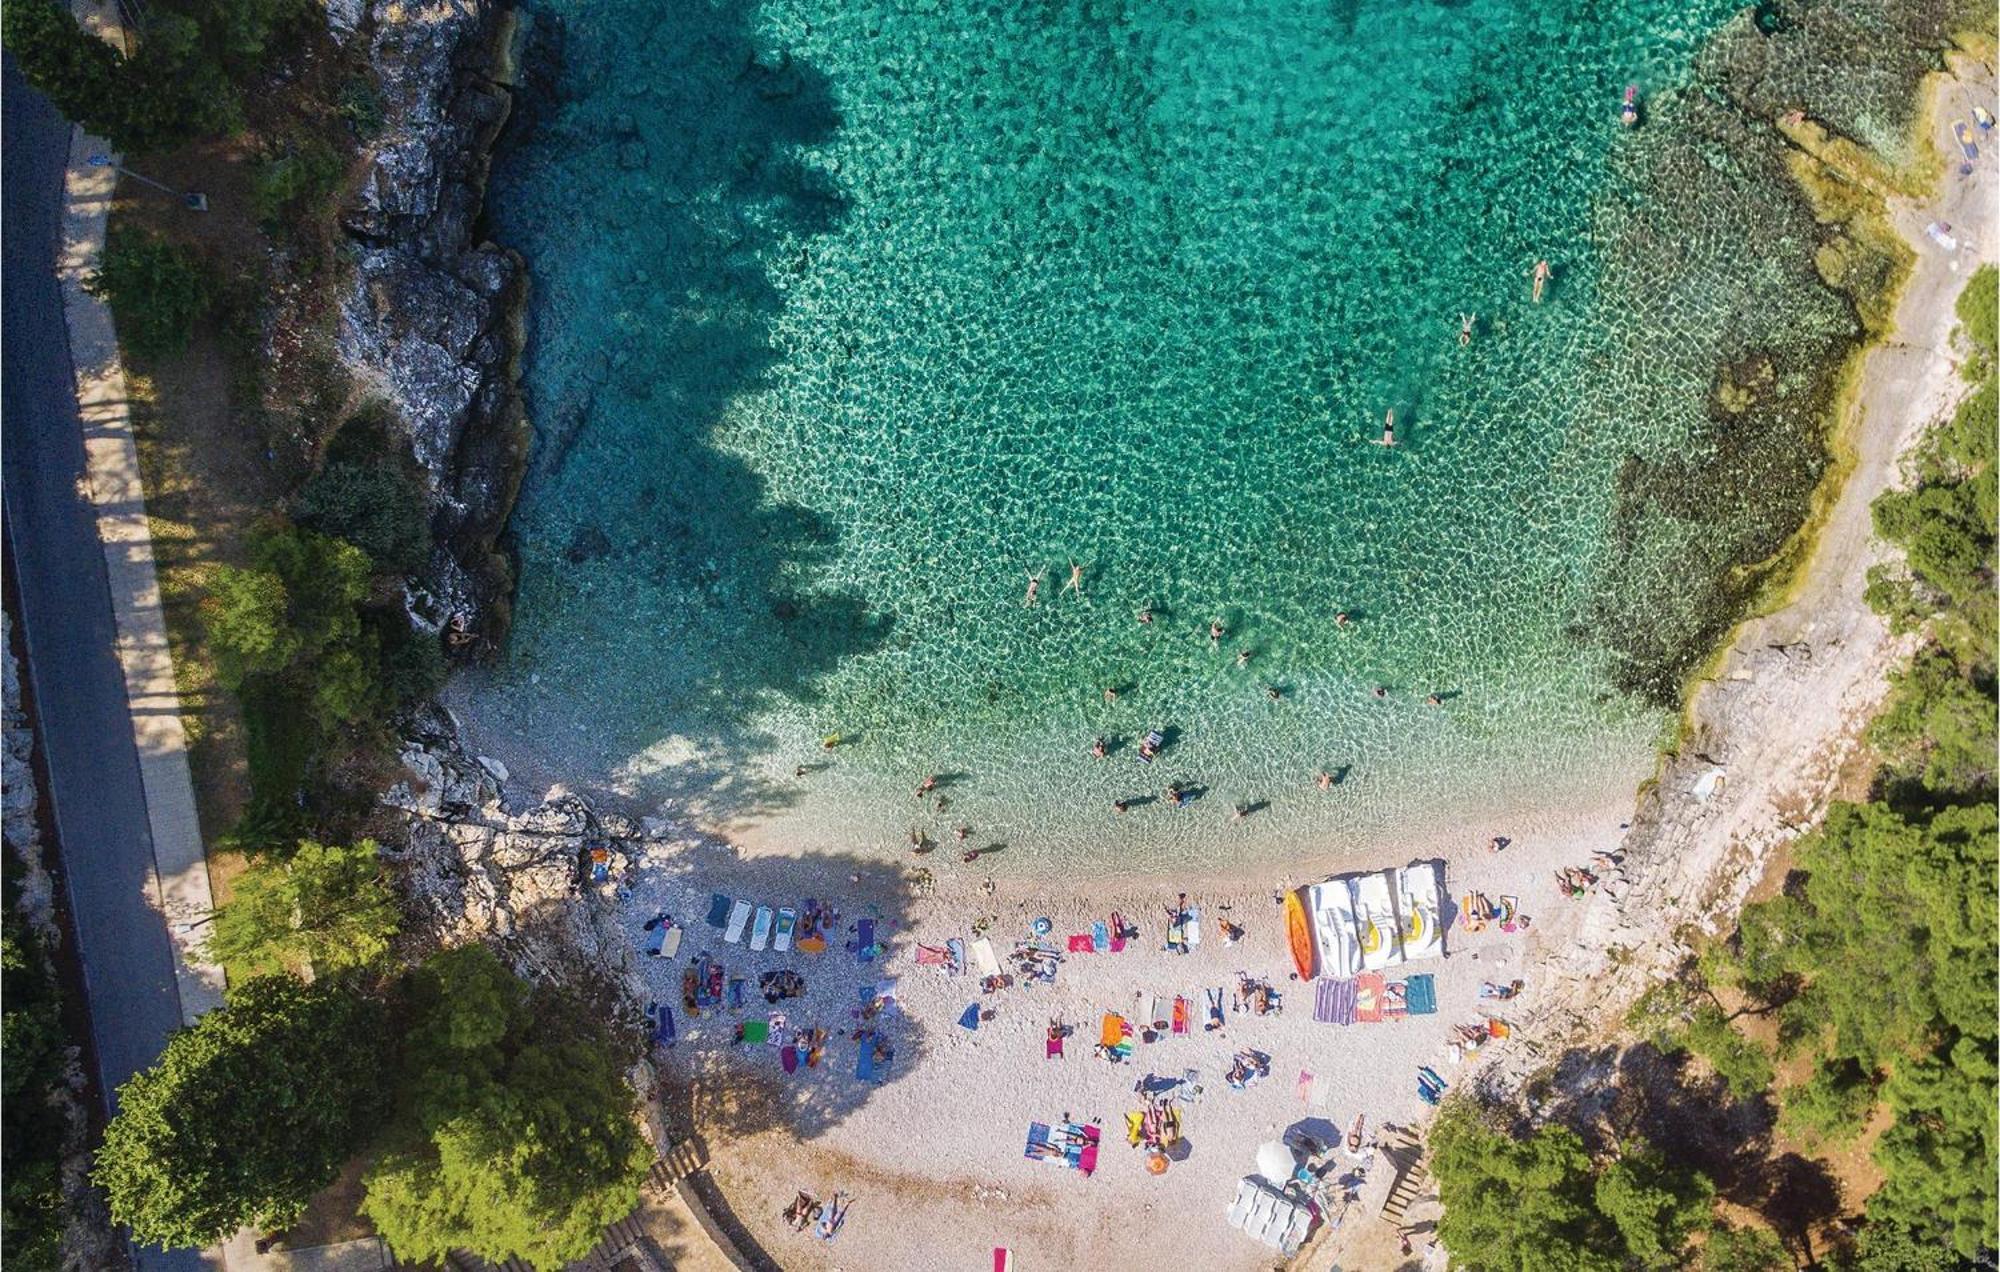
[1298,930]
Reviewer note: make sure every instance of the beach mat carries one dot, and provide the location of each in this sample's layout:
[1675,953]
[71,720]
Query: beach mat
[1395,1000]
[718,910]
[789,1057]
[969,1018]
[1100,936]
[1080,944]
[1113,1030]
[1183,1012]
[1421,995]
[1368,992]
[1333,1002]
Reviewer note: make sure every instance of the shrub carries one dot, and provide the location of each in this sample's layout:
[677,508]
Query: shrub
[325,909]
[375,507]
[288,185]
[1831,1105]
[1744,1250]
[157,291]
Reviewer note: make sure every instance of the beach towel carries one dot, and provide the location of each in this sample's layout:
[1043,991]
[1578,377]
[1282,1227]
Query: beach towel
[718,910]
[1003,1259]
[1086,1157]
[1191,926]
[760,933]
[739,918]
[1149,1011]
[1216,1019]
[1368,998]
[1421,995]
[663,1031]
[756,1032]
[789,1058]
[1333,1002]
[1509,913]
[1305,1087]
[1394,1004]
[984,959]
[864,1060]
[957,948]
[1498,1028]
[1080,944]
[1038,1144]
[864,940]
[1114,1029]
[1183,1009]
[969,1018]
[736,987]
[933,956]
[1117,933]
[1135,1128]
[1054,1050]
[1100,936]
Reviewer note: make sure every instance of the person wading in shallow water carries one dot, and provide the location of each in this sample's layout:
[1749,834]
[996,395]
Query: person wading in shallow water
[1465,322]
[1034,589]
[1388,428]
[1541,274]
[1075,583]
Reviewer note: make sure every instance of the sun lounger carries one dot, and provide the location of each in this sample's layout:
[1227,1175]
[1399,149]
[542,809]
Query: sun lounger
[1376,921]
[1191,927]
[718,910]
[739,918]
[1368,998]
[1421,895]
[1100,937]
[760,932]
[1335,935]
[788,919]
[1420,994]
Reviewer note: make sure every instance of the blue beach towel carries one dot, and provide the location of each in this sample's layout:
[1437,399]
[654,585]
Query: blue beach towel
[1038,1138]
[1421,995]
[969,1018]
[957,948]
[718,911]
[864,940]
[864,1061]
[1100,936]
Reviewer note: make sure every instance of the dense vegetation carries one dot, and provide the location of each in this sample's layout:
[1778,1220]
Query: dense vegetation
[184,79]
[325,909]
[1875,962]
[159,291]
[34,1051]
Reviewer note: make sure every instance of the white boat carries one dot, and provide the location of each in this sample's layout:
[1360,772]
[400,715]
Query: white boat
[1421,901]
[1334,930]
[1376,922]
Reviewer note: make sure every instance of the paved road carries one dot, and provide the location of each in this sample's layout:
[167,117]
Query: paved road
[93,761]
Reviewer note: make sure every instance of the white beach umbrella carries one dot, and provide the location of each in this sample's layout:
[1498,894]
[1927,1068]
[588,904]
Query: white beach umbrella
[1276,1161]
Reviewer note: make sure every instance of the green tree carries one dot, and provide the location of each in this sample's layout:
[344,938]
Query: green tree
[375,507]
[293,615]
[325,908]
[157,291]
[33,1057]
[1519,1205]
[1744,1250]
[1831,1105]
[246,1114]
[1655,1205]
[519,1137]
[83,76]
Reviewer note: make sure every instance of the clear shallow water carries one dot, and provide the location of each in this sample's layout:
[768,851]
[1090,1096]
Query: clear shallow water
[850,316]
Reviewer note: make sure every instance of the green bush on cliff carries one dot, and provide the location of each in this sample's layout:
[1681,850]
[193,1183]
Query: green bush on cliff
[300,178]
[157,291]
[325,908]
[375,507]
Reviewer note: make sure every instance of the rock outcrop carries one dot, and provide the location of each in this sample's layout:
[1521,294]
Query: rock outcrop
[540,884]
[431,321]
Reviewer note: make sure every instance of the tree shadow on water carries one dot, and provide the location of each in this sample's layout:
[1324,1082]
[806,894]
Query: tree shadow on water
[689,204]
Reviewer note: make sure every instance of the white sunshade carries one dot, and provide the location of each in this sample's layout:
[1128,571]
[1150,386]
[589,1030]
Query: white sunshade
[1276,1161]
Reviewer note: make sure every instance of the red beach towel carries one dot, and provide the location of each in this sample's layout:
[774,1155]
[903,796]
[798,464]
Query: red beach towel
[1080,944]
[1368,991]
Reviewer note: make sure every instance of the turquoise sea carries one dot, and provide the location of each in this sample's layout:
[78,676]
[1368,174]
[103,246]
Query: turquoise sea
[852,315]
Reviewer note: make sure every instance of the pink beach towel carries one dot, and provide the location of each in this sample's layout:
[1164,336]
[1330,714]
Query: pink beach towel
[933,956]
[1080,943]
[1305,1086]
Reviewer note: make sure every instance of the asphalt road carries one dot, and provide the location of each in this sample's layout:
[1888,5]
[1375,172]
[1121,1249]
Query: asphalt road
[93,761]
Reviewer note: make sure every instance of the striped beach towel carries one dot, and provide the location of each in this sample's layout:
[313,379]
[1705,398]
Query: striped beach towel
[1333,1002]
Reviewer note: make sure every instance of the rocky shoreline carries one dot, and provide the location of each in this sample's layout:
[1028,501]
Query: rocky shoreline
[432,320]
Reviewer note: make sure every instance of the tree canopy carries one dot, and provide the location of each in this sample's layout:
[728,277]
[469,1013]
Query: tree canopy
[519,1140]
[325,908]
[246,1114]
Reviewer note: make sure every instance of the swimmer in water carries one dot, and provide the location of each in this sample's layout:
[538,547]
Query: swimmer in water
[1146,615]
[1120,805]
[1465,322]
[1381,691]
[1541,274]
[1097,748]
[1432,700]
[1388,428]
[1340,619]
[1242,658]
[1215,631]
[1034,589]
[1110,693]
[926,786]
[1324,780]
[962,833]
[1075,583]
[1273,692]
